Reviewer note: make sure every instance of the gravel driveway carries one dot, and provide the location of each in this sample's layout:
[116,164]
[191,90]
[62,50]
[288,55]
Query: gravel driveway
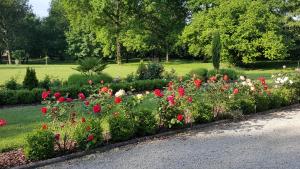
[270,141]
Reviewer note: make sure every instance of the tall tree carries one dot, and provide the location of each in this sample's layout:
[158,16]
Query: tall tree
[12,16]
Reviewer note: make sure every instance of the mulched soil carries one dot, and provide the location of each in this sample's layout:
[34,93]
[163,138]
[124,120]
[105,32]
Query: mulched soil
[12,159]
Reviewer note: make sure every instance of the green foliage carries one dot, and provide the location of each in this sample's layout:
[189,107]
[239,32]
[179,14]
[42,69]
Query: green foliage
[145,122]
[14,97]
[82,80]
[200,73]
[91,65]
[202,112]
[30,80]
[11,84]
[247,105]
[121,127]
[45,83]
[39,145]
[85,129]
[139,85]
[288,95]
[248,30]
[216,50]
[18,54]
[233,75]
[152,70]
[262,102]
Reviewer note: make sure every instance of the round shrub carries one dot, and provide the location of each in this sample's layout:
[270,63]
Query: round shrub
[12,84]
[200,73]
[288,95]
[121,127]
[88,134]
[80,79]
[232,74]
[152,70]
[247,105]
[202,112]
[145,122]
[39,145]
[262,102]
[275,100]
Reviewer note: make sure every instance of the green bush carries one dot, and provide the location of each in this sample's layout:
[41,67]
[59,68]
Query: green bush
[91,65]
[247,105]
[81,80]
[121,127]
[12,84]
[288,95]
[200,73]
[45,83]
[39,145]
[145,122]
[24,96]
[202,112]
[262,102]
[276,100]
[233,75]
[152,70]
[84,130]
[30,80]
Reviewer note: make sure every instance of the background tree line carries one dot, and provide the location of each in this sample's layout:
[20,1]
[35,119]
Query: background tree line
[163,29]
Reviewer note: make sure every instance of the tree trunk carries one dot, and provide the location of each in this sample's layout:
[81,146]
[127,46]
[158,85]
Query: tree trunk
[118,47]
[8,57]
[167,56]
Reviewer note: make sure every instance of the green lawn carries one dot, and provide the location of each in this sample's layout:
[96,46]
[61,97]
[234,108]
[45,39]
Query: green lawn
[21,120]
[63,71]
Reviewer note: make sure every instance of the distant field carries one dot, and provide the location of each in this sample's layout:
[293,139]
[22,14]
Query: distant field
[63,71]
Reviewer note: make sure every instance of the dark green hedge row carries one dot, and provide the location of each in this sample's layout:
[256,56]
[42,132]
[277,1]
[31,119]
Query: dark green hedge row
[13,97]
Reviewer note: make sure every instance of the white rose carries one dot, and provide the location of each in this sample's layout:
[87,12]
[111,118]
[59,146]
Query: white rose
[242,78]
[252,88]
[244,83]
[291,82]
[120,93]
[248,80]
[139,96]
[286,79]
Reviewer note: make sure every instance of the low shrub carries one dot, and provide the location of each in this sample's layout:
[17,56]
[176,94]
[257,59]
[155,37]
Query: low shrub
[13,97]
[152,70]
[232,74]
[81,80]
[200,73]
[247,105]
[288,95]
[12,84]
[121,127]
[30,80]
[276,100]
[88,134]
[45,83]
[145,122]
[262,102]
[39,145]
[202,112]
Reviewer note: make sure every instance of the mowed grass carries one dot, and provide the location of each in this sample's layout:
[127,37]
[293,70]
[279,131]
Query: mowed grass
[21,121]
[62,72]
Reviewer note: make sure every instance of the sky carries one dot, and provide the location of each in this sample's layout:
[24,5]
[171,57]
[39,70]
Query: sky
[40,7]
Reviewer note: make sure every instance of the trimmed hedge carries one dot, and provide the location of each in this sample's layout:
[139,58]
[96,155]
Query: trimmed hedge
[233,75]
[13,97]
[82,80]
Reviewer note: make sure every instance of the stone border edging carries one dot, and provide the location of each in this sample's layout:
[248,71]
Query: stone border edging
[137,140]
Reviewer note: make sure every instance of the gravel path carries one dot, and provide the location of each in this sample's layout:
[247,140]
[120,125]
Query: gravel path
[270,141]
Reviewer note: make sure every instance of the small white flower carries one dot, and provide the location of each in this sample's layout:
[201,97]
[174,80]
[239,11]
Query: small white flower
[244,83]
[147,92]
[291,82]
[139,96]
[276,86]
[272,76]
[277,81]
[242,78]
[248,80]
[120,93]
[286,79]
[283,66]
[252,88]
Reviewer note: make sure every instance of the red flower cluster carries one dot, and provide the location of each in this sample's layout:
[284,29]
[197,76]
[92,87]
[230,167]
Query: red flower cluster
[170,86]
[45,95]
[179,117]
[190,99]
[44,127]
[197,83]
[262,80]
[81,96]
[171,100]
[90,137]
[158,93]
[181,91]
[97,108]
[118,100]
[57,95]
[226,78]
[44,110]
[104,89]
[213,79]
[3,122]
[235,91]
[83,120]
[61,99]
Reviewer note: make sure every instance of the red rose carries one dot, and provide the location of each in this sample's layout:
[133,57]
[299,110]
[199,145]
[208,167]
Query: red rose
[179,117]
[104,89]
[118,100]
[44,127]
[44,110]
[197,83]
[213,78]
[262,80]
[45,94]
[158,93]
[226,78]
[87,103]
[97,108]
[90,82]
[88,128]
[81,96]
[61,99]
[171,100]
[57,95]
[190,99]
[83,120]
[57,137]
[235,91]
[170,86]
[90,137]
[181,91]
[265,87]
[3,122]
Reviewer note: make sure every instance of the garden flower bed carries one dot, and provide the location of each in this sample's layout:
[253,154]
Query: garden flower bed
[106,116]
